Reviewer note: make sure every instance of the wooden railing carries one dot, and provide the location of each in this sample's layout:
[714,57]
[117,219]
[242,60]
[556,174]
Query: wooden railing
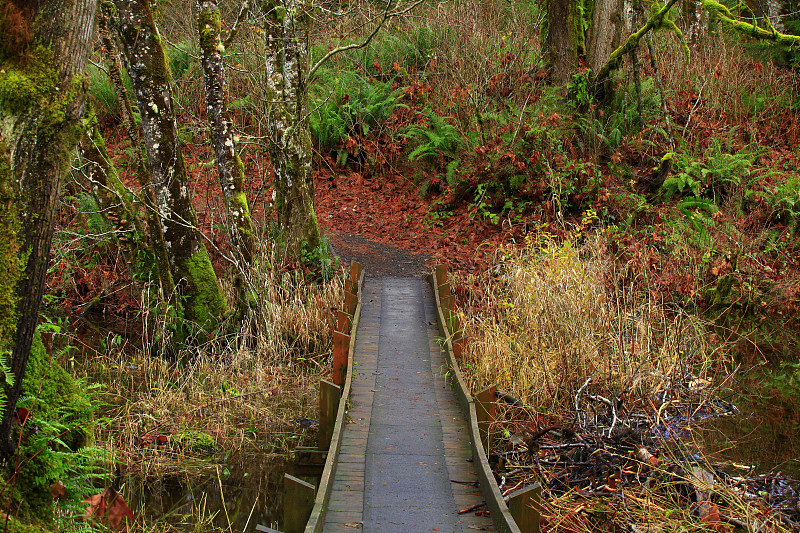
[304,505]
[519,511]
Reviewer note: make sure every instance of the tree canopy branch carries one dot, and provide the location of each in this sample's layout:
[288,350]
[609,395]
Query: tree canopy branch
[753,30]
[235,29]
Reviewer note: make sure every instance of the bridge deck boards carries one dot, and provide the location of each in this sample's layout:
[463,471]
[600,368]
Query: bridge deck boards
[406,440]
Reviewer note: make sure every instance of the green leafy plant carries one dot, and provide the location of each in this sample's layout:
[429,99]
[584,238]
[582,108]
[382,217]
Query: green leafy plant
[726,170]
[182,59]
[438,144]
[688,180]
[718,172]
[101,91]
[695,220]
[348,104]
[785,201]
[481,206]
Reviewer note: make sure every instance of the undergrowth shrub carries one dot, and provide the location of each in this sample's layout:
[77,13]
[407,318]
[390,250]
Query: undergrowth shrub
[437,145]
[55,427]
[557,315]
[784,200]
[346,104]
[101,91]
[716,175]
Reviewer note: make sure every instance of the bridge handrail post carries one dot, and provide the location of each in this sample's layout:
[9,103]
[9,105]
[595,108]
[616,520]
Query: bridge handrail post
[298,500]
[525,506]
[329,395]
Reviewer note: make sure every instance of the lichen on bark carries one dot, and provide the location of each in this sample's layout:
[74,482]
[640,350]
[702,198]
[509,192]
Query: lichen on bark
[155,232]
[229,165]
[189,262]
[289,140]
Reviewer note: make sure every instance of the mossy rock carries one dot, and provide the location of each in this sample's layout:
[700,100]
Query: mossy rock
[194,442]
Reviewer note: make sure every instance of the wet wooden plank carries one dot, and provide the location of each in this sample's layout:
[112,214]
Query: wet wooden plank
[525,505]
[485,406]
[341,346]
[298,501]
[329,394]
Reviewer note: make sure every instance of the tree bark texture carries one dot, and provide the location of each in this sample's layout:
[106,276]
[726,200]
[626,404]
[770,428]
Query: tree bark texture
[229,165]
[287,116]
[203,303]
[42,97]
[155,231]
[604,32]
[562,39]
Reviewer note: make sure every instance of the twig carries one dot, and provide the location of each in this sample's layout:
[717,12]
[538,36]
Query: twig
[473,508]
[580,391]
[387,14]
[239,19]
[657,77]
[696,104]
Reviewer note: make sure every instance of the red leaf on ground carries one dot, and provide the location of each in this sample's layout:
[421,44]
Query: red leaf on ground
[108,506]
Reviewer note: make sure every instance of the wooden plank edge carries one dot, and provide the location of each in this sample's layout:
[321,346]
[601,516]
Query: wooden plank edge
[501,515]
[317,519]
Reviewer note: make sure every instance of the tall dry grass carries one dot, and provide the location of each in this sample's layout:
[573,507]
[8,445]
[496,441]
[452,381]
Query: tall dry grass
[248,393]
[552,316]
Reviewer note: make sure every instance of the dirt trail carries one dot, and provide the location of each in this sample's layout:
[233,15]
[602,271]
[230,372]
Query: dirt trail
[380,260]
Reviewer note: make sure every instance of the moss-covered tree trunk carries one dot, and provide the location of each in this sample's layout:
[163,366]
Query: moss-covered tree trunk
[114,200]
[229,165]
[203,303]
[287,116]
[42,96]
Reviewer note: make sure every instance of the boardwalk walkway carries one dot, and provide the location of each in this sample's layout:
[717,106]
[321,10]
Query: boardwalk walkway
[404,462]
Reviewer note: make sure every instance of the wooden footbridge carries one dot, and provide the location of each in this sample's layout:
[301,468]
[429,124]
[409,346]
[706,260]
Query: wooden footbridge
[402,443]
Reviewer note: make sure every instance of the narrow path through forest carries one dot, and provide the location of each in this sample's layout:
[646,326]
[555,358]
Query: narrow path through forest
[404,465]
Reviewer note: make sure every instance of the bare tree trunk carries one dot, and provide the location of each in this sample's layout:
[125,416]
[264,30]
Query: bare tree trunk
[287,115]
[604,33]
[562,40]
[692,11]
[42,96]
[198,287]
[231,169]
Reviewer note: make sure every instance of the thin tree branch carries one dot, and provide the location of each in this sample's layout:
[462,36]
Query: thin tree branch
[387,14]
[614,60]
[235,29]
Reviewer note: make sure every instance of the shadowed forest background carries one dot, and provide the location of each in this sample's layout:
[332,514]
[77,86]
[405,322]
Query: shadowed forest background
[614,185]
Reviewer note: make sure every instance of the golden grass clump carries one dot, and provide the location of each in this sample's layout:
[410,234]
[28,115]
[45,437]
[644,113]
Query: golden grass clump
[550,316]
